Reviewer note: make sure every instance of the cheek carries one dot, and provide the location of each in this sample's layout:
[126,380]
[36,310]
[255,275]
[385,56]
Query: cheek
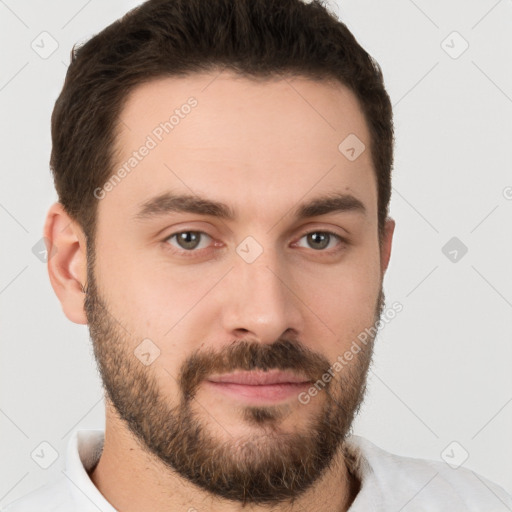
[152,298]
[344,299]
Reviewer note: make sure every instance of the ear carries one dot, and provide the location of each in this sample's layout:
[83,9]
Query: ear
[385,247]
[67,265]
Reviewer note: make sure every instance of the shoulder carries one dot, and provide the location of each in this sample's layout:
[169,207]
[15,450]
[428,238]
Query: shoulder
[53,496]
[417,484]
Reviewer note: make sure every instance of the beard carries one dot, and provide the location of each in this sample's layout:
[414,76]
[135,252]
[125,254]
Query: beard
[269,466]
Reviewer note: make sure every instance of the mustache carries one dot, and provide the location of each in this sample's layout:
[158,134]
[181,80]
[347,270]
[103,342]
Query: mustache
[249,355]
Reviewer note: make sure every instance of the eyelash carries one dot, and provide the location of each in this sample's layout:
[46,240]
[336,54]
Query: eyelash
[193,253]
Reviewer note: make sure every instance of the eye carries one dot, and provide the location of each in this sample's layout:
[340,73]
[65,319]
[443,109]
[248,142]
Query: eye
[320,240]
[194,242]
[188,240]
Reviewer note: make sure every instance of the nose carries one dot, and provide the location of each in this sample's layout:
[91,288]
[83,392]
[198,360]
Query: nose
[261,301]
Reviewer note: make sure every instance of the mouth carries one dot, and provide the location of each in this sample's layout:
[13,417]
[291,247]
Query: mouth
[259,386]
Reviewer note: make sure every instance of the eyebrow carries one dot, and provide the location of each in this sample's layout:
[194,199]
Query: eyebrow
[168,202]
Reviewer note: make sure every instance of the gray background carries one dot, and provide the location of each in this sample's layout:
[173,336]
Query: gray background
[442,366]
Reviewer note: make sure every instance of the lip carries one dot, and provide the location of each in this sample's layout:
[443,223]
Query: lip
[259,378]
[258,387]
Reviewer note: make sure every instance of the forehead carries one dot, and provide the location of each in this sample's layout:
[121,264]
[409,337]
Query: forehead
[257,145]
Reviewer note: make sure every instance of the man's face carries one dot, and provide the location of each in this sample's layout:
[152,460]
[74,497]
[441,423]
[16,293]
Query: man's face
[263,290]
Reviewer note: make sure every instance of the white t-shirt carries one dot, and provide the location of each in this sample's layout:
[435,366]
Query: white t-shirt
[389,483]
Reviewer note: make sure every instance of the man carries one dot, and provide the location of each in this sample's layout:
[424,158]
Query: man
[223,171]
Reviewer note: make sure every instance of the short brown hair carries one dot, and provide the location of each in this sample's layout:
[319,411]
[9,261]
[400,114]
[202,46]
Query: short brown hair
[255,38]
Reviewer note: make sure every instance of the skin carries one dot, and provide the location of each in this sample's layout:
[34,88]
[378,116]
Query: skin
[261,148]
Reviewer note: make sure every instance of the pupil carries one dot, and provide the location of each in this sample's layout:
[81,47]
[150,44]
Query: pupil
[189,239]
[323,238]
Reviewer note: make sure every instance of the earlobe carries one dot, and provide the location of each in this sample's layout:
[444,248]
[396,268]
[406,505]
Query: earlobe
[67,265]
[387,240]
